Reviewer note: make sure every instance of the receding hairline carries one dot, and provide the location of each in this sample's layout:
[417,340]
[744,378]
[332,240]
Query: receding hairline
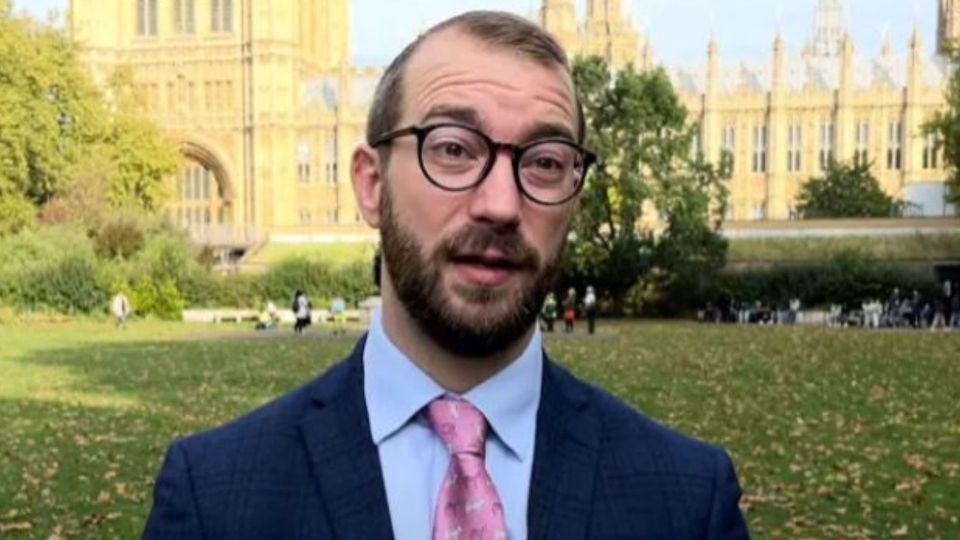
[560,70]
[494,30]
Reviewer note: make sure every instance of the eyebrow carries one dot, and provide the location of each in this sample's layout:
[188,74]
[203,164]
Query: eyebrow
[471,118]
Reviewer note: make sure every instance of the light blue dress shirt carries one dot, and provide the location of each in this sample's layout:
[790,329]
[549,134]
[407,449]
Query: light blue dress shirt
[414,460]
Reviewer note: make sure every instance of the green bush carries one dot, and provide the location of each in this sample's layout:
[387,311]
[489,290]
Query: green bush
[68,285]
[51,268]
[119,238]
[353,282]
[848,278]
[160,299]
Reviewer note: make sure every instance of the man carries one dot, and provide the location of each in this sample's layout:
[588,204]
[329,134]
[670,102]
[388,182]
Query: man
[120,307]
[448,421]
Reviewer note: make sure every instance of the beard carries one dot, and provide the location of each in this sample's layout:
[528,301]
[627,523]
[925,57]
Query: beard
[490,318]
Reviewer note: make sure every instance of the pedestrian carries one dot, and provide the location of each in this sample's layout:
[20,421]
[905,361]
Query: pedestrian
[301,311]
[794,310]
[955,310]
[569,310]
[590,309]
[338,310]
[549,312]
[120,307]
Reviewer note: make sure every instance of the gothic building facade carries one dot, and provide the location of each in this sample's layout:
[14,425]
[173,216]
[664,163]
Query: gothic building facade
[265,105]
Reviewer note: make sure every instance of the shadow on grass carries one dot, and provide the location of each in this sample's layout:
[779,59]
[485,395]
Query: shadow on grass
[80,451]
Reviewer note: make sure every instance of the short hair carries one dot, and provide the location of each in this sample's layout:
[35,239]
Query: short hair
[497,28]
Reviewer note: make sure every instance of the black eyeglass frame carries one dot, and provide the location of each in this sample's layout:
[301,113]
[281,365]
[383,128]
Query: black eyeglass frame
[516,151]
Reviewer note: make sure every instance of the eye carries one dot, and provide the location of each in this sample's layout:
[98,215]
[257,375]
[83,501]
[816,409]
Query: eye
[547,164]
[453,149]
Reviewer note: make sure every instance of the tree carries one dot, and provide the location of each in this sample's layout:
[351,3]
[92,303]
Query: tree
[846,191]
[53,119]
[945,125]
[640,130]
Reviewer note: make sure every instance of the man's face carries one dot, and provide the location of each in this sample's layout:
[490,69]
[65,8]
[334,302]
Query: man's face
[472,267]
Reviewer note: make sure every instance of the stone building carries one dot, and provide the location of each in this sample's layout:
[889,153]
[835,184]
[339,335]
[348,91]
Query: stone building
[266,107]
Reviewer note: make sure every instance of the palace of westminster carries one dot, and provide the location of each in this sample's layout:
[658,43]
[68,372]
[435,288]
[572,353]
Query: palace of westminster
[266,107]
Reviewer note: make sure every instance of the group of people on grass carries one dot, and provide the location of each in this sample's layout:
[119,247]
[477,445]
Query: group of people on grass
[940,310]
[302,309]
[570,307]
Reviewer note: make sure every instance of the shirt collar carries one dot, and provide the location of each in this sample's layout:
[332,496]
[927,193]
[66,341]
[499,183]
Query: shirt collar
[396,389]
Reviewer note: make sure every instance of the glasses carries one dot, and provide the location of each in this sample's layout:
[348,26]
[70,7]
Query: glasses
[457,158]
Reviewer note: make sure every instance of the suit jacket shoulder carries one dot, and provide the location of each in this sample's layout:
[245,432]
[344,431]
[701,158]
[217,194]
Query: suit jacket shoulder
[289,469]
[647,480]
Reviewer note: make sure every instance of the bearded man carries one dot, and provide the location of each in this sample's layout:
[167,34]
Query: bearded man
[448,421]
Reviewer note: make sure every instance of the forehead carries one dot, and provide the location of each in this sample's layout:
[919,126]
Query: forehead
[454,69]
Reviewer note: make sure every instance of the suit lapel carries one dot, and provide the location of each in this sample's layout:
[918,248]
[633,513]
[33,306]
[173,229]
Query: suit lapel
[343,458]
[565,460]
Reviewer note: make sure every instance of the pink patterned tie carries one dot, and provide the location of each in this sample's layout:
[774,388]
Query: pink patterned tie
[468,507]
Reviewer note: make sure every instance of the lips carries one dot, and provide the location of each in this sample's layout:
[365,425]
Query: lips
[487,268]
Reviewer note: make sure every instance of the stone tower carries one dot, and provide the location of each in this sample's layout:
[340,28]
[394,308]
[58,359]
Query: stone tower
[610,34]
[948,24]
[559,17]
[829,28]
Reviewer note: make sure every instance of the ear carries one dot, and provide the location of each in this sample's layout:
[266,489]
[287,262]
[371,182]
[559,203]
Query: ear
[367,182]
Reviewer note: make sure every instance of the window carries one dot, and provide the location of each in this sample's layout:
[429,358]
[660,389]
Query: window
[729,143]
[331,162]
[221,15]
[895,146]
[199,203]
[730,212]
[303,163]
[861,156]
[696,146]
[183,16]
[146,17]
[760,149]
[930,151]
[306,217]
[760,210]
[332,216]
[827,140]
[794,147]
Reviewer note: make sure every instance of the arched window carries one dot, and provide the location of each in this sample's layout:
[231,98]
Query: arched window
[198,198]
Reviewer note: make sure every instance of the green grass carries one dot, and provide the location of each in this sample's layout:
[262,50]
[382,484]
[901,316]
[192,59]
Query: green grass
[836,434]
[917,247]
[335,254]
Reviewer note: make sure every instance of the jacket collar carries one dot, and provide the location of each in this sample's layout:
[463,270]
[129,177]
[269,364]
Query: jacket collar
[346,465]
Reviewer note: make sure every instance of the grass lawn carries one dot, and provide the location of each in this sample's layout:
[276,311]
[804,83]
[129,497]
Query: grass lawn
[836,434]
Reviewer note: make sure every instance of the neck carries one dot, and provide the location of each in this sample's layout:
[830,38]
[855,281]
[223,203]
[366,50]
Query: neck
[454,373]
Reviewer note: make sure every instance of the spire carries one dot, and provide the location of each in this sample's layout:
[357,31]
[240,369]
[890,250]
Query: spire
[886,49]
[829,27]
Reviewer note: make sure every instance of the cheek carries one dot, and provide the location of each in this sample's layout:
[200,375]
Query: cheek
[548,229]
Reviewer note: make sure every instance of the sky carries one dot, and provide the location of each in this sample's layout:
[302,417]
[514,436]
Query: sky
[678,29]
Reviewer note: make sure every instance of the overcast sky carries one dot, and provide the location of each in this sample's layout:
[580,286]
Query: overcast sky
[679,29]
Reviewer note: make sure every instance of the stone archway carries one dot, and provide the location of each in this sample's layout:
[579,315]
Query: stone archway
[202,195]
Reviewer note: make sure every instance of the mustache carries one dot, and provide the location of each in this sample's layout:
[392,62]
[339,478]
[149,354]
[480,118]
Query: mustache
[473,240]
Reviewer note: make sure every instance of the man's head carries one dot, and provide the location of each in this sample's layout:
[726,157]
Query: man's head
[472,230]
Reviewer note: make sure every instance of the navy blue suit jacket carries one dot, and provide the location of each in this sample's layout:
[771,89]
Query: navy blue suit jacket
[305,467]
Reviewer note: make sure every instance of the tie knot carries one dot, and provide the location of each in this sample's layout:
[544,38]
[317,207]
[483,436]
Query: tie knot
[459,424]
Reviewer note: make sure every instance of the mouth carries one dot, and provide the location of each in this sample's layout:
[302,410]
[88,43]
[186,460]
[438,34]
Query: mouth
[489,268]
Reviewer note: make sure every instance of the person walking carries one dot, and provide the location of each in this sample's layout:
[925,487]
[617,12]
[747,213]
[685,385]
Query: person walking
[590,309]
[549,312]
[569,310]
[301,311]
[120,307]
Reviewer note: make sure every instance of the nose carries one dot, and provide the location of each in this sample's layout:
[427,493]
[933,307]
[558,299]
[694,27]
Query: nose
[497,199]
